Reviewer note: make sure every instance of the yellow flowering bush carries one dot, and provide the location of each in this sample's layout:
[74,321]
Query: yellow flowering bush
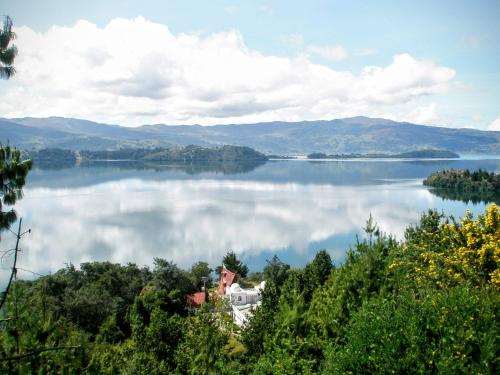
[447,252]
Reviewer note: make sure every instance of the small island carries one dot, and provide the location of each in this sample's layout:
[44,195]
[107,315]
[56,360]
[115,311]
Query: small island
[226,159]
[476,186]
[418,154]
[187,154]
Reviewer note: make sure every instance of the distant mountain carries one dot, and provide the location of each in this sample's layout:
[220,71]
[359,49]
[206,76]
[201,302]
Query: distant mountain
[351,135]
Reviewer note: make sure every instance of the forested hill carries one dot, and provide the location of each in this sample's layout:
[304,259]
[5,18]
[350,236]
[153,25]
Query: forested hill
[352,135]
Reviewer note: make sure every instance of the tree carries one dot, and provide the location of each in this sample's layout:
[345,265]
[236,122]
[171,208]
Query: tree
[276,271]
[169,287]
[319,269]
[13,172]
[263,320]
[233,264]
[201,351]
[7,53]
[201,270]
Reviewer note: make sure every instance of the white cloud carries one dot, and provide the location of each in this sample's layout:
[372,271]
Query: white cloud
[477,118]
[330,53]
[425,114]
[136,71]
[495,125]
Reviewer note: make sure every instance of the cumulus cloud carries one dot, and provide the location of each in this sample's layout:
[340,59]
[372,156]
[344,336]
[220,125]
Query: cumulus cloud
[136,71]
[330,53]
[423,114]
[495,125]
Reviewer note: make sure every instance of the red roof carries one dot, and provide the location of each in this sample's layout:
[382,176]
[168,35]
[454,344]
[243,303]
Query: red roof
[225,280]
[196,299]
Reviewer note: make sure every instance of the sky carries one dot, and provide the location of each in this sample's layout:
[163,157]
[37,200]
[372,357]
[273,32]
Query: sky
[133,62]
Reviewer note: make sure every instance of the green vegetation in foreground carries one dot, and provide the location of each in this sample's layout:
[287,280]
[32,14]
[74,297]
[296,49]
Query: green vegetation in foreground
[419,154]
[476,186]
[428,304]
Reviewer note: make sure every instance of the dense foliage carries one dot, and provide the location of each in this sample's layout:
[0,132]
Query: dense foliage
[427,304]
[480,181]
[475,186]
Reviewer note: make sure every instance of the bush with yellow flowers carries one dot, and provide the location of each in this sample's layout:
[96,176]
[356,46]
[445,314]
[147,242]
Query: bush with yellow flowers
[444,252]
[435,310]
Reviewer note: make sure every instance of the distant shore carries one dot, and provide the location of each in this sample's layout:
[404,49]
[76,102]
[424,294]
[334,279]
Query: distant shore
[418,154]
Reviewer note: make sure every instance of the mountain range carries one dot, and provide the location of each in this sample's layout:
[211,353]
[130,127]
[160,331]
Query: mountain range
[348,135]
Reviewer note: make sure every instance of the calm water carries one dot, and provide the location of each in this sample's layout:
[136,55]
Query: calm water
[124,213]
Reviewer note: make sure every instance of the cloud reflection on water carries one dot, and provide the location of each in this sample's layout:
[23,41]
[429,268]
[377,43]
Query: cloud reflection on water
[134,220]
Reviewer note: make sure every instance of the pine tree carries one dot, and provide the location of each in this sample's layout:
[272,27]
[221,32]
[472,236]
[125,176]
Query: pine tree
[13,172]
[233,264]
[7,53]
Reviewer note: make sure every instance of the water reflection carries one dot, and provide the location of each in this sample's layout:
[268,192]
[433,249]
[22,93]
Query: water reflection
[290,208]
[135,221]
[223,167]
[356,172]
[467,196]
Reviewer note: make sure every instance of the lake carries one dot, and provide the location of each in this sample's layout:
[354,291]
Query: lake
[124,212]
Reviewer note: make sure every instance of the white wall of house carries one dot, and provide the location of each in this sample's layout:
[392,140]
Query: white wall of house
[239,296]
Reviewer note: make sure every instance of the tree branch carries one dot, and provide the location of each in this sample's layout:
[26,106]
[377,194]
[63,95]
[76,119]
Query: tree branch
[38,351]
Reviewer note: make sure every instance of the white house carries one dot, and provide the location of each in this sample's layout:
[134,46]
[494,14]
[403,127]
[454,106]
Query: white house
[243,301]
